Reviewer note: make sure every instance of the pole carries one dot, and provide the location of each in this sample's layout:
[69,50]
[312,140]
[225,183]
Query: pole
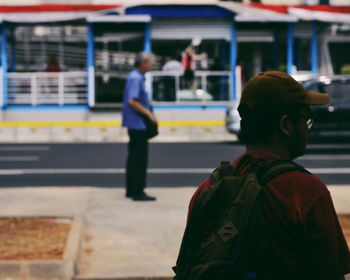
[148,38]
[276,41]
[91,65]
[290,39]
[314,48]
[4,65]
[233,61]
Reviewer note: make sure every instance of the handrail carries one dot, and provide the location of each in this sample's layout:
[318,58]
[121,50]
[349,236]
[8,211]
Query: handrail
[203,75]
[34,88]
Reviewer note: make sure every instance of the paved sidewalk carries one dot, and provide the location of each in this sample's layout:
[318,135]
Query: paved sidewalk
[123,239]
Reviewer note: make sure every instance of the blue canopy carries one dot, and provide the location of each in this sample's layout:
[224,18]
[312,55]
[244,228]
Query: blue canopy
[181,11]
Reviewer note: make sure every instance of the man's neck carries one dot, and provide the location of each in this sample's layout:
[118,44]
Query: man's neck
[268,149]
[141,71]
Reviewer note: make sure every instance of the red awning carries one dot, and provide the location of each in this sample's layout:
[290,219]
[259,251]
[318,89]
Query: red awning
[283,9]
[326,8]
[323,13]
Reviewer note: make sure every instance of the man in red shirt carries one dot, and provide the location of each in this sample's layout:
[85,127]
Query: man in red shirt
[304,240]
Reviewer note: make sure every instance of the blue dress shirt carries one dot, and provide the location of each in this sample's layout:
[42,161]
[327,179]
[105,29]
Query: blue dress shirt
[135,89]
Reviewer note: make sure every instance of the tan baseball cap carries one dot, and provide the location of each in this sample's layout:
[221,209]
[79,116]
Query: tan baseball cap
[275,90]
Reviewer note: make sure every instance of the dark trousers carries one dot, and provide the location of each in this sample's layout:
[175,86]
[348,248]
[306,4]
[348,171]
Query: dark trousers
[136,164]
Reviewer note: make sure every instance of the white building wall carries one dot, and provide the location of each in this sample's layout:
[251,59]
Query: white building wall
[20,2]
[340,2]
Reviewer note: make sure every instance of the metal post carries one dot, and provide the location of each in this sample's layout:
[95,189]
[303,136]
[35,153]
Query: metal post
[223,55]
[42,50]
[233,61]
[149,84]
[3,100]
[276,41]
[60,89]
[314,48]
[297,56]
[238,81]
[13,50]
[61,48]
[91,65]
[177,86]
[204,82]
[1,92]
[27,50]
[33,89]
[148,38]
[290,39]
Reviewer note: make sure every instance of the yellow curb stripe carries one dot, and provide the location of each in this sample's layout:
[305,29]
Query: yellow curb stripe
[103,123]
[191,123]
[60,124]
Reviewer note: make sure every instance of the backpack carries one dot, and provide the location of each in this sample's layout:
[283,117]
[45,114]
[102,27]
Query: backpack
[225,229]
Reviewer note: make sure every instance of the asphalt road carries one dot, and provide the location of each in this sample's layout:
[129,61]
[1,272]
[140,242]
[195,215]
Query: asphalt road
[170,165]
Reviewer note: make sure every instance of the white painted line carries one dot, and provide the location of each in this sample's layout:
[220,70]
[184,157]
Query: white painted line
[328,146]
[19,158]
[75,171]
[181,170]
[325,157]
[102,171]
[11,172]
[24,148]
[150,171]
[330,170]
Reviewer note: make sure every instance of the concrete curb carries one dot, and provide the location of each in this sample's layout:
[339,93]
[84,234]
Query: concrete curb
[68,134]
[127,278]
[46,270]
[74,242]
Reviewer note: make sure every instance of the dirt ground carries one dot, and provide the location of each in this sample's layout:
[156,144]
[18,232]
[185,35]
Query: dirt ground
[45,239]
[33,238]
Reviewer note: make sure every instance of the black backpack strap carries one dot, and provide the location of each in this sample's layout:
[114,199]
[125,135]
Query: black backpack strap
[272,169]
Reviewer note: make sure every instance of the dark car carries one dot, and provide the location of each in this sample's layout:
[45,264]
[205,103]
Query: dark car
[332,119]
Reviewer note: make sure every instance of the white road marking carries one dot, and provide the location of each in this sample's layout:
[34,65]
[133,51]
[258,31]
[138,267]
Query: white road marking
[328,146]
[344,170]
[102,171]
[19,158]
[24,148]
[325,157]
[11,172]
[207,171]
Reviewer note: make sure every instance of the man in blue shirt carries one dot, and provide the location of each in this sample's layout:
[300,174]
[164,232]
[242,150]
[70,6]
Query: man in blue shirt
[136,107]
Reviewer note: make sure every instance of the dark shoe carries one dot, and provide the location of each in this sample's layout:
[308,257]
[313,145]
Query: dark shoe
[128,195]
[144,197]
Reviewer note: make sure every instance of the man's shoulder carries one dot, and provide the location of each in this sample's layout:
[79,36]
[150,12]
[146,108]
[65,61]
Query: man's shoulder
[134,74]
[298,185]
[292,181]
[301,177]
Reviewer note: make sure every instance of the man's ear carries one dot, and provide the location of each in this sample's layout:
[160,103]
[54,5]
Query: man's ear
[285,125]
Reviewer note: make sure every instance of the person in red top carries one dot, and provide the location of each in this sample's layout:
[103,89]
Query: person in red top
[189,66]
[303,238]
[53,64]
